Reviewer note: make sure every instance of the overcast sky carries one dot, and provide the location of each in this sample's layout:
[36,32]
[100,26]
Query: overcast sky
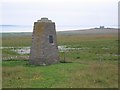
[65,13]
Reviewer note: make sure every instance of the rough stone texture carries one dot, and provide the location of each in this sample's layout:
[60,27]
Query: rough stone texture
[42,51]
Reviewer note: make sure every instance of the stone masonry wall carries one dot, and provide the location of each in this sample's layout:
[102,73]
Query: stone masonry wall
[42,51]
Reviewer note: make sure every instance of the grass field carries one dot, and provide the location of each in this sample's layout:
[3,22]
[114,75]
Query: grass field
[95,65]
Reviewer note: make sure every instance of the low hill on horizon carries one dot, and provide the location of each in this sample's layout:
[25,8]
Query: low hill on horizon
[92,31]
[69,32]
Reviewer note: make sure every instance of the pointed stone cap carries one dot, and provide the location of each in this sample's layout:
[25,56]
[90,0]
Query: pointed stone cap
[44,19]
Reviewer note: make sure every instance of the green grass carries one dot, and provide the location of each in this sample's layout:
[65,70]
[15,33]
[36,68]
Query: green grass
[90,67]
[83,74]
[16,41]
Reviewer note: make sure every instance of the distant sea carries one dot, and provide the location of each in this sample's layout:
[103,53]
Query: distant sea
[15,28]
[28,28]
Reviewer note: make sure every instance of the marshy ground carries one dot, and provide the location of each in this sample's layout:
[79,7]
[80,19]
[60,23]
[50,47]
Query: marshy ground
[91,61]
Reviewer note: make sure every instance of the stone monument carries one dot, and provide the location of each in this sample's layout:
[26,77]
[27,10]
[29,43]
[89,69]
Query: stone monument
[44,49]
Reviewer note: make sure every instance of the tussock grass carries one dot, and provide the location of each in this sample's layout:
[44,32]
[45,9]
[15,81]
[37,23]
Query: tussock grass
[66,75]
[95,65]
[16,41]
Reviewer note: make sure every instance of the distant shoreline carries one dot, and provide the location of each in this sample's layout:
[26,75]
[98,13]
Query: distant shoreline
[67,30]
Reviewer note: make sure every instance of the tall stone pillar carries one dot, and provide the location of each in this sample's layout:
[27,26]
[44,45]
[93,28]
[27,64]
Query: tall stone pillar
[44,49]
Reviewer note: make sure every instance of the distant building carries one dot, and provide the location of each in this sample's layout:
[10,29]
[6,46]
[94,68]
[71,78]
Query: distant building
[102,27]
[44,49]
